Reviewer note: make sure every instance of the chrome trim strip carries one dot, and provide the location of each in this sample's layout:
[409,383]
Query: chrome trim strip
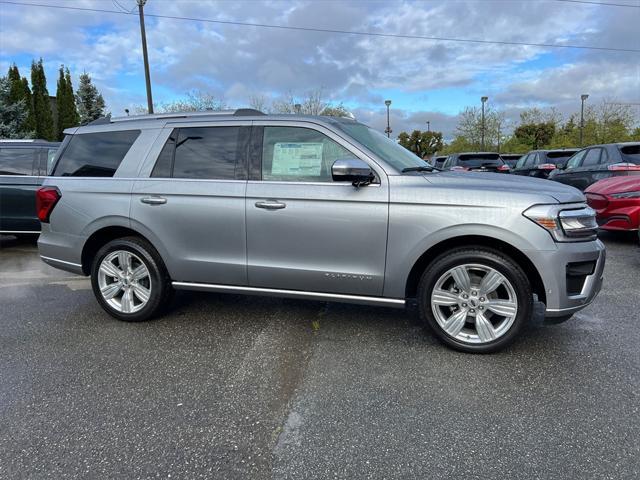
[60,261]
[35,232]
[294,293]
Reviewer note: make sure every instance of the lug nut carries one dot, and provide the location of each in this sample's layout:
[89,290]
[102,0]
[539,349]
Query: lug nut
[465,296]
[473,293]
[464,304]
[482,299]
[481,308]
[472,311]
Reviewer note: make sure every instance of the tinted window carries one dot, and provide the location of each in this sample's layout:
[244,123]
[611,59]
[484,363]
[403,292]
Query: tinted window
[563,155]
[471,160]
[299,154]
[521,161]
[576,159]
[16,161]
[206,152]
[164,164]
[533,159]
[631,153]
[95,154]
[592,157]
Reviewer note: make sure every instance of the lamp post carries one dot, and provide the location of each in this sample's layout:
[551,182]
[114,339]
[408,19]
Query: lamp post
[388,130]
[428,126]
[583,97]
[145,56]
[483,100]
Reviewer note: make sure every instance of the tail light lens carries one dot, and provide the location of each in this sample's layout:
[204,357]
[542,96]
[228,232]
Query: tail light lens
[546,166]
[617,167]
[458,168]
[46,199]
[504,168]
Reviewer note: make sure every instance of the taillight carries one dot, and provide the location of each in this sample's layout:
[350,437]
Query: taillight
[46,199]
[504,168]
[617,167]
[458,168]
[546,166]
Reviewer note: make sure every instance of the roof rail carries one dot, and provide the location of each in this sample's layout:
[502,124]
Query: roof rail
[22,140]
[160,116]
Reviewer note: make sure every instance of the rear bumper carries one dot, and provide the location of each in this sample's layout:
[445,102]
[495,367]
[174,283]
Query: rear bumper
[61,250]
[561,300]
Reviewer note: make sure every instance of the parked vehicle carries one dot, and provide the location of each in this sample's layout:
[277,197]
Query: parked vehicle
[616,202]
[540,163]
[438,161]
[23,165]
[510,158]
[476,162]
[598,162]
[311,207]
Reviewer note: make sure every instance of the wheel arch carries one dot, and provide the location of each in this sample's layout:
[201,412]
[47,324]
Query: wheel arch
[423,262]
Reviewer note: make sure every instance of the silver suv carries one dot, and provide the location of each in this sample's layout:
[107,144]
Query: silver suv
[311,207]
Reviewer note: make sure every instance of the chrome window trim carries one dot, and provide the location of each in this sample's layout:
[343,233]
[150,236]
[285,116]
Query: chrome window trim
[10,232]
[60,261]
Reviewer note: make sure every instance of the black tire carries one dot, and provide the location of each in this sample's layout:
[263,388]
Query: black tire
[487,257]
[160,283]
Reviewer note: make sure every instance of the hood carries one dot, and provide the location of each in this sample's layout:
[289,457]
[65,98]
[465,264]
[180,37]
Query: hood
[506,183]
[611,185]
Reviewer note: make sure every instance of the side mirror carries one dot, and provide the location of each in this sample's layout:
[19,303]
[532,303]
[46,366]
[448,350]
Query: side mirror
[352,170]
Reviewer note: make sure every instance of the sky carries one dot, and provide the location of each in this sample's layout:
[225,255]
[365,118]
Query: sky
[425,79]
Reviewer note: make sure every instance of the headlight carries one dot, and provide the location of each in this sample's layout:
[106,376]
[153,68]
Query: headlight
[565,223]
[626,195]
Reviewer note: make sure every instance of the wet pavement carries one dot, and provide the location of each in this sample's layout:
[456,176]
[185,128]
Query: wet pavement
[229,386]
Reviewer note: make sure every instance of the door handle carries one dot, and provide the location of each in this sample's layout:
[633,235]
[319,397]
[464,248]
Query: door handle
[271,205]
[154,200]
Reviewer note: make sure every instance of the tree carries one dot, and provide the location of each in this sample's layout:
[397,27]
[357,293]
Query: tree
[89,101]
[19,92]
[337,111]
[12,114]
[469,127]
[67,112]
[535,135]
[193,101]
[41,104]
[421,143]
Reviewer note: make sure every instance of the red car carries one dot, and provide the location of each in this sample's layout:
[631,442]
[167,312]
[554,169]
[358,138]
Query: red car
[616,201]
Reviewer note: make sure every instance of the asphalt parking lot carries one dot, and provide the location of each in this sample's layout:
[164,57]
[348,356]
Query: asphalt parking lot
[229,386]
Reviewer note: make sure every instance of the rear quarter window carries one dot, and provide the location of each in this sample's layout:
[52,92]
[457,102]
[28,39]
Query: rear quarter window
[95,154]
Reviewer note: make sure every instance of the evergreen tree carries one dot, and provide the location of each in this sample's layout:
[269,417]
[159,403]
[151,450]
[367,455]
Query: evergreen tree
[41,105]
[67,112]
[89,101]
[12,114]
[19,92]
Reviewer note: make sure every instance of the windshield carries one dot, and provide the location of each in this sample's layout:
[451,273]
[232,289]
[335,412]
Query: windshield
[480,160]
[388,150]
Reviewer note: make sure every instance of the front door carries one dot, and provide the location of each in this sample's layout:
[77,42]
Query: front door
[19,181]
[305,231]
[192,204]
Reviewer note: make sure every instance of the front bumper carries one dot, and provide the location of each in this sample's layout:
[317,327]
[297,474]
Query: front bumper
[552,266]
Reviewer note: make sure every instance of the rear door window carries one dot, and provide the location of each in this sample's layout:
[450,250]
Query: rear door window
[521,161]
[576,160]
[532,160]
[592,157]
[208,153]
[95,154]
[17,161]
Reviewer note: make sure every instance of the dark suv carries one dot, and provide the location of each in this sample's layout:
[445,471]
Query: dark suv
[23,164]
[511,158]
[438,161]
[597,162]
[476,161]
[540,163]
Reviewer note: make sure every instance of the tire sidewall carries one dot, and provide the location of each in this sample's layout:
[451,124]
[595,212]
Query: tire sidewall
[156,276]
[489,258]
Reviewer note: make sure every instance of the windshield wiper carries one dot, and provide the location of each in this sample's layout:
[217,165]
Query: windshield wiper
[422,168]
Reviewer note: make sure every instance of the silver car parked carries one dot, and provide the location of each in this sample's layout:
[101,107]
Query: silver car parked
[311,207]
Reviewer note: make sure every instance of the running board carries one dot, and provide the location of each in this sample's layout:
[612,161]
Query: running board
[276,292]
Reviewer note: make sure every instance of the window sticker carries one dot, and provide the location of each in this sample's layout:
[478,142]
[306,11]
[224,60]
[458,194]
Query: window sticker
[297,159]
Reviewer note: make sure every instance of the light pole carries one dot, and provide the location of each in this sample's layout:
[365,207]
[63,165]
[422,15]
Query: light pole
[583,97]
[483,100]
[147,78]
[428,126]
[388,130]
[298,108]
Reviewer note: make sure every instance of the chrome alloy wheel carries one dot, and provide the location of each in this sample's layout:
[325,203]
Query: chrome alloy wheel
[124,281]
[474,303]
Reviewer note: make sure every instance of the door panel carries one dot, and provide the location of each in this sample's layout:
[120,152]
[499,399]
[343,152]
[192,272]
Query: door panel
[18,184]
[328,236]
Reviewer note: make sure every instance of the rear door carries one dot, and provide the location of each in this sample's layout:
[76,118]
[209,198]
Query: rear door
[305,231]
[570,174]
[18,183]
[192,205]
[587,172]
[520,168]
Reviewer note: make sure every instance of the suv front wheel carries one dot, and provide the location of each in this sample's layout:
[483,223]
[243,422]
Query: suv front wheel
[130,280]
[475,299]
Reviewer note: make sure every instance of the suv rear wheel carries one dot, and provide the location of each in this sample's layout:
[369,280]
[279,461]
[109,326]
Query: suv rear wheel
[475,299]
[129,280]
